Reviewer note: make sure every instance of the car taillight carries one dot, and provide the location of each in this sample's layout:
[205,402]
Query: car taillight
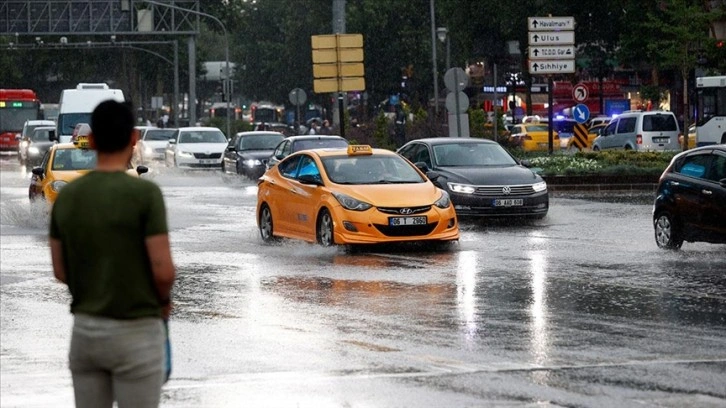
[639,139]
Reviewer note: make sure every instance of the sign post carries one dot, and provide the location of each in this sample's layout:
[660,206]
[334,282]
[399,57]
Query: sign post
[551,51]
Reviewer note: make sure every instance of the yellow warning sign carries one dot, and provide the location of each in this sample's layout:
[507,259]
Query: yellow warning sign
[579,139]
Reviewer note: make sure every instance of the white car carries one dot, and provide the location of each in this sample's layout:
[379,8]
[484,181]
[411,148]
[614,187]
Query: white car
[196,147]
[152,144]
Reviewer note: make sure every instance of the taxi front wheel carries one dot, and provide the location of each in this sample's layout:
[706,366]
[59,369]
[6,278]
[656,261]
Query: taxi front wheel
[325,228]
[266,226]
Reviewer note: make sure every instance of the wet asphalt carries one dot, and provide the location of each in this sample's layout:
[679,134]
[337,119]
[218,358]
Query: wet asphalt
[580,309]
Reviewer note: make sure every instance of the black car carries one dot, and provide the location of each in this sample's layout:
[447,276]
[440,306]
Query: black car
[690,204]
[481,177]
[248,152]
[36,145]
[294,144]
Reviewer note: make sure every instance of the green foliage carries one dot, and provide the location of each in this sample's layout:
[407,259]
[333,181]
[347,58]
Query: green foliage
[381,135]
[477,120]
[617,162]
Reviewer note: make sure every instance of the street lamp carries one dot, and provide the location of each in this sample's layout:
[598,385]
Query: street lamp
[443,34]
[226,48]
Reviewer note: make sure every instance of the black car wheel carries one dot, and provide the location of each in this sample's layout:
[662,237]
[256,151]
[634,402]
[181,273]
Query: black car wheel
[325,231]
[266,226]
[667,235]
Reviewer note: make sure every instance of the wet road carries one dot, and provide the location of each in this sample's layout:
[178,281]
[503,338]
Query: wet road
[580,309]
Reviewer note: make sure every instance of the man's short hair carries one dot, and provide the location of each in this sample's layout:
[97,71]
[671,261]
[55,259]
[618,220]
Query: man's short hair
[112,124]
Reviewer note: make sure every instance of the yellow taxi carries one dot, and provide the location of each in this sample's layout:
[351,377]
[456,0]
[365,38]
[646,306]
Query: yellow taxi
[533,137]
[691,138]
[353,195]
[63,163]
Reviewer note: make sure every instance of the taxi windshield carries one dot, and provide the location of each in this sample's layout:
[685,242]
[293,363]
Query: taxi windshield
[536,128]
[74,159]
[370,169]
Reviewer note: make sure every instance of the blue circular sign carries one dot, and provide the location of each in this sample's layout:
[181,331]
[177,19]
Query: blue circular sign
[581,113]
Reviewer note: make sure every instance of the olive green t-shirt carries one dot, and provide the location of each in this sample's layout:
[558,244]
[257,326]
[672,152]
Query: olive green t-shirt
[102,220]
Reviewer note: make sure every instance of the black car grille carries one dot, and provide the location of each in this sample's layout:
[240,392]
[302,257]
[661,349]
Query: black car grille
[397,210]
[405,230]
[207,156]
[498,191]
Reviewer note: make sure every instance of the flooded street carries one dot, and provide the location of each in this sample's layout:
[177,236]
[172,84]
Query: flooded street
[580,309]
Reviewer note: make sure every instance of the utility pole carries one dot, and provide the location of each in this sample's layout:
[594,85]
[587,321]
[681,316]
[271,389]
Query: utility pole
[339,28]
[433,59]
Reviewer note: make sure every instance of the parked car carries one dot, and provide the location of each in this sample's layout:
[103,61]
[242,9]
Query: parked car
[481,177]
[637,130]
[26,133]
[196,148]
[352,196]
[248,153]
[151,144]
[598,120]
[294,144]
[592,133]
[690,203]
[36,146]
[533,137]
[63,163]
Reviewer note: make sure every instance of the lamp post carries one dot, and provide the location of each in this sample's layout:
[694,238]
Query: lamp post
[226,49]
[443,34]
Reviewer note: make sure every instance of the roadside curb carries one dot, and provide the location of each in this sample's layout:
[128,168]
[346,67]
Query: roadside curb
[602,184]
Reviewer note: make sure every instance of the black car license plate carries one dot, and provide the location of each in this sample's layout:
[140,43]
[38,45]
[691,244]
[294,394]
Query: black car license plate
[508,202]
[397,221]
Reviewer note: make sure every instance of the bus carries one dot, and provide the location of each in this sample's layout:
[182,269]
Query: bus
[711,110]
[16,107]
[265,112]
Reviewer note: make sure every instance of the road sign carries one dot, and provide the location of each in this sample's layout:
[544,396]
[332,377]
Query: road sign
[457,101]
[456,79]
[552,52]
[328,85]
[580,93]
[550,23]
[579,136]
[581,113]
[328,56]
[297,97]
[551,37]
[542,67]
[337,41]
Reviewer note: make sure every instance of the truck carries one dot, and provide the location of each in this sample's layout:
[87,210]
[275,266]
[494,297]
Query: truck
[76,106]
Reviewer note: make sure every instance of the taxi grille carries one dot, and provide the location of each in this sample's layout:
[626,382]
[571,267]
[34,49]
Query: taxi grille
[405,230]
[207,156]
[498,191]
[397,210]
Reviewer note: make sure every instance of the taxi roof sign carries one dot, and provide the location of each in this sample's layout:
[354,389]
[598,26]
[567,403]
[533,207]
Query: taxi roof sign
[82,142]
[354,150]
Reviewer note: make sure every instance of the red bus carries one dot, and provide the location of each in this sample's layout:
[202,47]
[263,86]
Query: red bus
[16,107]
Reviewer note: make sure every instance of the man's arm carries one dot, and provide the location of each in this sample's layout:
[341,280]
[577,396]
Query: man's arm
[56,253]
[162,267]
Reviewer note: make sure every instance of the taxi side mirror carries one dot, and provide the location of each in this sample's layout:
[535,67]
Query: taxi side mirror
[310,179]
[141,170]
[38,171]
[51,136]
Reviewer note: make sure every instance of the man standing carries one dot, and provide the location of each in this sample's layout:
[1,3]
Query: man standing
[109,243]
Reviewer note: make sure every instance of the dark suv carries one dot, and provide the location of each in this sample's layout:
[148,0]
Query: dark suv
[690,204]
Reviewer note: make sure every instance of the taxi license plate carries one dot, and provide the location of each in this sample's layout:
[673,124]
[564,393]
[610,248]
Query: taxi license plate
[396,221]
[207,161]
[508,202]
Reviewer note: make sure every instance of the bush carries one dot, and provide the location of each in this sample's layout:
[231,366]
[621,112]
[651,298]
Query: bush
[620,162]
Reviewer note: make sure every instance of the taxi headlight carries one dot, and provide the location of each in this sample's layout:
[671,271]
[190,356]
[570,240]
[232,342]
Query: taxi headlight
[541,186]
[461,188]
[252,163]
[350,203]
[444,201]
[33,151]
[184,154]
[57,185]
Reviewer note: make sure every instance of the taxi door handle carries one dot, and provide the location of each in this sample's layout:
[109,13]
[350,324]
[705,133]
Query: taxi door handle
[707,192]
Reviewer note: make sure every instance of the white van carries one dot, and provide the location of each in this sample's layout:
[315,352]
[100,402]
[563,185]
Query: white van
[76,106]
[638,130]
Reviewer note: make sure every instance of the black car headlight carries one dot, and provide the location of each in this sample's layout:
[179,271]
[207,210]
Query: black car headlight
[252,162]
[541,186]
[461,188]
[444,201]
[350,203]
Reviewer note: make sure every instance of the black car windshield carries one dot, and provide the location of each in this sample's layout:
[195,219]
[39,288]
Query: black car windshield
[472,154]
[373,169]
[202,136]
[159,134]
[259,142]
[319,143]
